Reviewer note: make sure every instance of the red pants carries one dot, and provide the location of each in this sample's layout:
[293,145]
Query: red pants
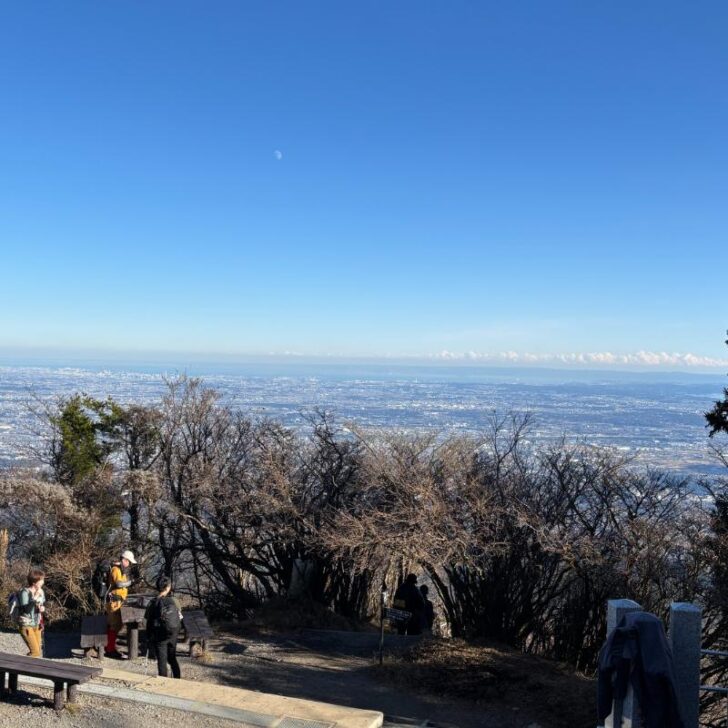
[114,622]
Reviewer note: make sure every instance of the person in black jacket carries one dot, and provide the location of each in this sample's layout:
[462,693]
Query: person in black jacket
[164,618]
[637,653]
[409,598]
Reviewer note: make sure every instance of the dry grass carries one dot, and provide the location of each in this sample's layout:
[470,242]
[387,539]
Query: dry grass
[555,695]
[202,656]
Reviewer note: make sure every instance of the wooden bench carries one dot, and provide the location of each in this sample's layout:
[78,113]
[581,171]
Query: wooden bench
[93,628]
[197,628]
[65,677]
[93,634]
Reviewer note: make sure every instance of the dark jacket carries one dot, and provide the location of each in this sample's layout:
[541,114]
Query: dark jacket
[155,631]
[412,598]
[637,653]
[428,617]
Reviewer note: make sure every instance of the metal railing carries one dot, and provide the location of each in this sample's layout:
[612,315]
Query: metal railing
[715,688]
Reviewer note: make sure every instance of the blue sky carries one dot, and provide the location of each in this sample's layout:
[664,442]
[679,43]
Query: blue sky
[369,178]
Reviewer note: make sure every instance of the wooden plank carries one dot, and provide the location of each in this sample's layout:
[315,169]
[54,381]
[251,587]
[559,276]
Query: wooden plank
[93,630]
[196,614]
[22,660]
[55,669]
[193,632]
[45,675]
[38,667]
[129,615]
[201,625]
[196,625]
[139,600]
[89,641]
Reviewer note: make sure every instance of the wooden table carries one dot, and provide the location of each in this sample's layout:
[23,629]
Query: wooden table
[132,615]
[133,618]
[66,677]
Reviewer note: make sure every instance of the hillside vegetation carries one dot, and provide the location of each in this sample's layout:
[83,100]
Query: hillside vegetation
[523,544]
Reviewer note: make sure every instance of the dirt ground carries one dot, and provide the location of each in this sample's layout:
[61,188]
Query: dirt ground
[433,681]
[551,694]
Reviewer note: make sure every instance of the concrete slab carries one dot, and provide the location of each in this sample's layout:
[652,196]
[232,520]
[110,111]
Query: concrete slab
[254,710]
[125,675]
[294,712]
[246,718]
[288,712]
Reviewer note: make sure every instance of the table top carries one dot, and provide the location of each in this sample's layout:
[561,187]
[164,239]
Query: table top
[132,614]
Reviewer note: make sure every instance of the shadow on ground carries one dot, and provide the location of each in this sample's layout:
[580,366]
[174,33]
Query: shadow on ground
[340,667]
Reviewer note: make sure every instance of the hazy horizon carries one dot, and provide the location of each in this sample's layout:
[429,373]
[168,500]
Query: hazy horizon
[183,360]
[657,416]
[472,180]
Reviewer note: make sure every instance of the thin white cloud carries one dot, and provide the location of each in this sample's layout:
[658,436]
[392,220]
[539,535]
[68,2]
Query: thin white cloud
[278,154]
[592,359]
[601,358]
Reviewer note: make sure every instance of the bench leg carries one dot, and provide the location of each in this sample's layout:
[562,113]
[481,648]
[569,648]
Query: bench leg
[13,682]
[192,648]
[2,682]
[72,692]
[58,696]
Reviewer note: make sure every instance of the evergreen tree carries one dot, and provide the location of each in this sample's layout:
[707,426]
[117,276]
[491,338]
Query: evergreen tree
[718,417]
[79,453]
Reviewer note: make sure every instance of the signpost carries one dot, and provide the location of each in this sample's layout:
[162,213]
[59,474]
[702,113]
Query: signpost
[381,623]
[396,615]
[390,615]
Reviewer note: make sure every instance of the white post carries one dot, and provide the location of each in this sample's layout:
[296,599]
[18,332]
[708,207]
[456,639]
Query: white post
[625,714]
[685,635]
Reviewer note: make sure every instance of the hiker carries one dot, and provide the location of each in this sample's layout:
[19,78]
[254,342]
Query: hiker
[164,618]
[119,583]
[428,615]
[31,601]
[409,598]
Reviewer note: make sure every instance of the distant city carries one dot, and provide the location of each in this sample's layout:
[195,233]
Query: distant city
[656,417]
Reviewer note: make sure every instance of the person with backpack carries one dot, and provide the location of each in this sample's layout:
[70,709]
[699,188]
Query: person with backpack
[164,619]
[117,591]
[29,607]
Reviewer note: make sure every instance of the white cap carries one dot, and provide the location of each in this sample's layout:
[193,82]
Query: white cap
[129,556]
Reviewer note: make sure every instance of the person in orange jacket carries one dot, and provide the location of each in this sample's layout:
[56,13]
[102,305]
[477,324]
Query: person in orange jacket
[119,583]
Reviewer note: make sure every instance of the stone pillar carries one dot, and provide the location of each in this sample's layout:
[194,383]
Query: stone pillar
[685,635]
[625,714]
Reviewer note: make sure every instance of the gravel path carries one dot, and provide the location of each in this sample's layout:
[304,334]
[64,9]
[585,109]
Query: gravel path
[328,666]
[33,705]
